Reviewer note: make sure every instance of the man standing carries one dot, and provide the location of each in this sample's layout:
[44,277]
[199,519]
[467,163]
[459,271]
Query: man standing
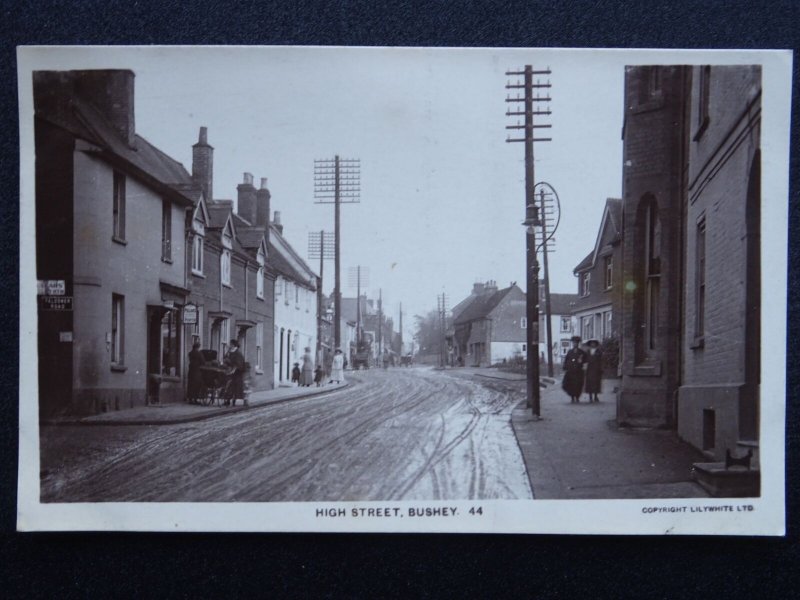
[235,360]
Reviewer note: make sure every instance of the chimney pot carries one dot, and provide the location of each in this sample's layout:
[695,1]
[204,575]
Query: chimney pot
[203,139]
[263,183]
[248,179]
[277,219]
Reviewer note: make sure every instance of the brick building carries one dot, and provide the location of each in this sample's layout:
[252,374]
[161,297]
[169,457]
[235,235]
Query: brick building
[691,258]
[598,304]
[655,137]
[718,400]
[110,212]
[490,325]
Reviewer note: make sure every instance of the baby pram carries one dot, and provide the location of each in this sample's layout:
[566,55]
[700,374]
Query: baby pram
[217,386]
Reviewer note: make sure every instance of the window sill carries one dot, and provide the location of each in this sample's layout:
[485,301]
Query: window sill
[119,240]
[647,370]
[260,298]
[164,259]
[170,379]
[118,368]
[698,343]
[227,285]
[198,274]
[259,371]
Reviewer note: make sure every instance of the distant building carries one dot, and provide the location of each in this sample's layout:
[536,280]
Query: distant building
[598,304]
[490,325]
[562,323]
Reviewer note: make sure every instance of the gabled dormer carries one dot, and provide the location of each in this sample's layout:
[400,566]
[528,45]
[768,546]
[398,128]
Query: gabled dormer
[198,224]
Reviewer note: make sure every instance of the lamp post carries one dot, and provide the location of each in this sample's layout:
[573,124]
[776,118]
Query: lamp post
[532,307]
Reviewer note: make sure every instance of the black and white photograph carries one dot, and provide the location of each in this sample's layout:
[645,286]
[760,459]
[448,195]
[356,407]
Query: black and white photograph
[403,289]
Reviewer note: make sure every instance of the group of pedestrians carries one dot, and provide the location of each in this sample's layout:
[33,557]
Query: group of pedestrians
[306,374]
[583,370]
[233,361]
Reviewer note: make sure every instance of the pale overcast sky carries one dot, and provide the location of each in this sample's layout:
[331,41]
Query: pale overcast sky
[442,193]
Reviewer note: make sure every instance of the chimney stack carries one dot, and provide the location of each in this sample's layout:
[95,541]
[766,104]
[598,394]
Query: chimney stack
[478,288]
[262,205]
[111,92]
[203,165]
[277,222]
[246,200]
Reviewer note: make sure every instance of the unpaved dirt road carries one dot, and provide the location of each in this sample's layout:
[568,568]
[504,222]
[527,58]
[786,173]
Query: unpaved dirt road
[401,434]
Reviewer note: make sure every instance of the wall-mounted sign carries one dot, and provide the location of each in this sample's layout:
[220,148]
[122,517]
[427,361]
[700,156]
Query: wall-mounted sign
[51,287]
[190,314]
[55,302]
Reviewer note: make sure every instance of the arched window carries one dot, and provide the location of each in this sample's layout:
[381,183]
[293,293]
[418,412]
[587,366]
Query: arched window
[652,272]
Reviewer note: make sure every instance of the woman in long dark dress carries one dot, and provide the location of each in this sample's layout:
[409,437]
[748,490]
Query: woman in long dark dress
[194,385]
[594,370]
[573,370]
[308,368]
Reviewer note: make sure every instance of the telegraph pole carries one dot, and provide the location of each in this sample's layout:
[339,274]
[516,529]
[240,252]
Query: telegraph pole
[401,329]
[320,245]
[441,305]
[380,324]
[337,181]
[531,215]
[357,276]
[547,210]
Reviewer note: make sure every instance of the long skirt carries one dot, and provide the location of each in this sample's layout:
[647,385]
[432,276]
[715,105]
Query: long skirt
[573,382]
[594,377]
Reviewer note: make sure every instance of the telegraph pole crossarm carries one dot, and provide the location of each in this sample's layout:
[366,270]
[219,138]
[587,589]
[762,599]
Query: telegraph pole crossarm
[337,182]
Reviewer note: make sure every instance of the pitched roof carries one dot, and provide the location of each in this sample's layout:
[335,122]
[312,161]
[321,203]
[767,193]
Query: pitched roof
[612,218]
[86,122]
[483,305]
[287,262]
[250,237]
[562,304]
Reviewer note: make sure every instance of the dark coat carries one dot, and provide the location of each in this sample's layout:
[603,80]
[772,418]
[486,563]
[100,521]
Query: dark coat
[235,360]
[594,372]
[194,385]
[573,372]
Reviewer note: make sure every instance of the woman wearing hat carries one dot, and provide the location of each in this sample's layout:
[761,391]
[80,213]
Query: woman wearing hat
[337,369]
[573,370]
[594,370]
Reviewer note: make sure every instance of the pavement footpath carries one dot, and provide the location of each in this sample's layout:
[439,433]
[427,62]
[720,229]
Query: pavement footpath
[182,412]
[577,451]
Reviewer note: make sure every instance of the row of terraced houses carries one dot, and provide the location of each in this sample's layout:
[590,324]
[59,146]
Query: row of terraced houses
[136,258]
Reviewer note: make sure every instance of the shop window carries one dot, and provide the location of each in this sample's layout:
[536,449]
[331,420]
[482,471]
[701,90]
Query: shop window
[170,344]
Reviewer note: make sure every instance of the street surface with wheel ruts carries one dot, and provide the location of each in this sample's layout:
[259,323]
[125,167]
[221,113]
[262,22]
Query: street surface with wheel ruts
[397,434]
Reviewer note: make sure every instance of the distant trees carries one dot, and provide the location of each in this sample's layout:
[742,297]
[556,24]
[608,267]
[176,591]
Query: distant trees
[428,334]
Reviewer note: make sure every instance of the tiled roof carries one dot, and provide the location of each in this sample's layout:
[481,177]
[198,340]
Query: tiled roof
[250,237]
[612,217]
[561,304]
[86,122]
[287,262]
[482,305]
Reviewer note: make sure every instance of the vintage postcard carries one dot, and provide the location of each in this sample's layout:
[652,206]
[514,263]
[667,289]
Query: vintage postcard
[403,289]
